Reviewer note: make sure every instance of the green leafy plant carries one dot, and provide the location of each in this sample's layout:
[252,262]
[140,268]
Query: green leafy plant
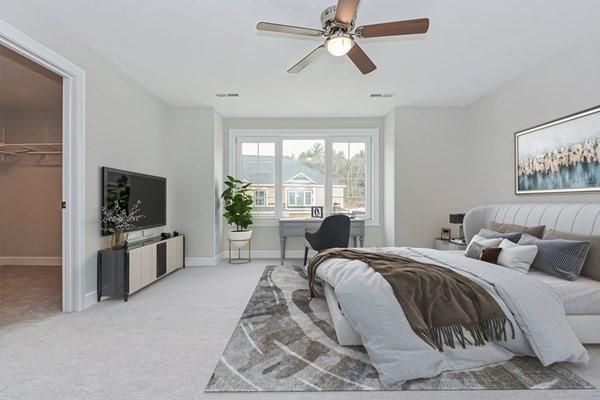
[238,203]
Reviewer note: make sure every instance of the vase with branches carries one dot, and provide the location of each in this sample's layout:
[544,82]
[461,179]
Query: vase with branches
[117,221]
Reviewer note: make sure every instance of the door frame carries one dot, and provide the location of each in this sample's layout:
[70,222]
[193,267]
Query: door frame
[73,160]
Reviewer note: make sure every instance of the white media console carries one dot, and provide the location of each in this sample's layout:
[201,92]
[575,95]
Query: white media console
[122,272]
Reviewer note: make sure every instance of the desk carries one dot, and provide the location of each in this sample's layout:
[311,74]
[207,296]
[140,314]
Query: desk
[299,226]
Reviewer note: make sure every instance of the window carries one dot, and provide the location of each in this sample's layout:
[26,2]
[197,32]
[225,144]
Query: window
[349,175]
[260,198]
[257,165]
[299,199]
[292,170]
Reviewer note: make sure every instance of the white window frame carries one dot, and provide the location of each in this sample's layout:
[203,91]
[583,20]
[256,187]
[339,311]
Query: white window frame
[370,136]
[296,191]
[264,191]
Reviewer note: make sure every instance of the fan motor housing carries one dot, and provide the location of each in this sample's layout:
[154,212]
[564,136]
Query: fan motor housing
[328,20]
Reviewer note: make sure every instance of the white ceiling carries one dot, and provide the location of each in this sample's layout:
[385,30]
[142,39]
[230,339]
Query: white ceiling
[187,50]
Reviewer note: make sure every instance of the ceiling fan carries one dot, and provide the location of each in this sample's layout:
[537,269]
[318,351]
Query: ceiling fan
[340,35]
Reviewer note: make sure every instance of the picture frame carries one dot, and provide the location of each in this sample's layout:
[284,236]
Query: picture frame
[316,212]
[560,156]
[446,234]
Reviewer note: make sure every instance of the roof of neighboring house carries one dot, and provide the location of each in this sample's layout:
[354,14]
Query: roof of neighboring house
[263,172]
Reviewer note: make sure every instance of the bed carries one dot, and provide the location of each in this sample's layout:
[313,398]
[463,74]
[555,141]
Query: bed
[580,298]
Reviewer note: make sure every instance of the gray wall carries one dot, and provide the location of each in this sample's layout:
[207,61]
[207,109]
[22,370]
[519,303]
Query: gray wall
[561,86]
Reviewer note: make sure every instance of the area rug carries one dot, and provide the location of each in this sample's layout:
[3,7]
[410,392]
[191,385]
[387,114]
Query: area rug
[284,343]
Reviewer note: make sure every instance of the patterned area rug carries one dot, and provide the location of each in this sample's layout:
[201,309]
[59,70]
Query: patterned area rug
[283,343]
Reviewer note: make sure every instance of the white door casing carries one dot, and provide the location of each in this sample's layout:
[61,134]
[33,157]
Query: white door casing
[73,170]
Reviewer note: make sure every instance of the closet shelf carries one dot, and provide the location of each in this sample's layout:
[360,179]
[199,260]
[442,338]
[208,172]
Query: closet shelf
[19,149]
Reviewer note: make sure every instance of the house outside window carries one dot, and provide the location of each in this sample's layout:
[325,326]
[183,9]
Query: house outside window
[292,170]
[260,198]
[299,198]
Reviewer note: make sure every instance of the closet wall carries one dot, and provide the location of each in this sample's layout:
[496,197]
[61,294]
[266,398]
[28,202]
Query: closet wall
[30,185]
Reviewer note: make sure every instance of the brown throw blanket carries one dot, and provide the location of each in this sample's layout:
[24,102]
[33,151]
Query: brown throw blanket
[440,304]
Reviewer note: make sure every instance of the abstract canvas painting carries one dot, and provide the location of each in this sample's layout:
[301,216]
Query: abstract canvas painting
[559,156]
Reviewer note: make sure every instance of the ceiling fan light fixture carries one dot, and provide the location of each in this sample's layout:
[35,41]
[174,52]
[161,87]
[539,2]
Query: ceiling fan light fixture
[339,44]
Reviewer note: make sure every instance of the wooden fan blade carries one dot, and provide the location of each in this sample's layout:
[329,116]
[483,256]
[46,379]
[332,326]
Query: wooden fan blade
[361,59]
[410,27]
[312,56]
[346,11]
[294,30]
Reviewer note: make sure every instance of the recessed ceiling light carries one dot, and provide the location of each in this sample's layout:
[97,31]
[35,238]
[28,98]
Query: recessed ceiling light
[381,95]
[227,94]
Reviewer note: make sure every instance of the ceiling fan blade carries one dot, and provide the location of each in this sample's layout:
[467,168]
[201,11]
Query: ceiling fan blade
[409,27]
[346,11]
[294,30]
[361,59]
[312,56]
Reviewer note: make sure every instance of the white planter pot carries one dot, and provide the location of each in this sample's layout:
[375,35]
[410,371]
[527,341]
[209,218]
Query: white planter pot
[239,239]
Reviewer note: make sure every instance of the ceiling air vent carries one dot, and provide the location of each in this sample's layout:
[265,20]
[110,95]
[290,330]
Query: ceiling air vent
[227,95]
[381,95]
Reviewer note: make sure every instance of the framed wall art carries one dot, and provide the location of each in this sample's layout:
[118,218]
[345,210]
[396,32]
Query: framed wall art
[559,156]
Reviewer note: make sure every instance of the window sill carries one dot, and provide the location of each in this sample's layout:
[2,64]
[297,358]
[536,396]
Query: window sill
[274,222]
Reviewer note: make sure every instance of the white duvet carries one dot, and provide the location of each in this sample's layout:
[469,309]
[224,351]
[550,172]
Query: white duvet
[369,304]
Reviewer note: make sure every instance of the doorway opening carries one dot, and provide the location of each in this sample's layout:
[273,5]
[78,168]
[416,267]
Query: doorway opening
[31,145]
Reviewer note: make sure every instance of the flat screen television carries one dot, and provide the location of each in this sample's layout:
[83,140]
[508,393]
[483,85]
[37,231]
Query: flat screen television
[128,187]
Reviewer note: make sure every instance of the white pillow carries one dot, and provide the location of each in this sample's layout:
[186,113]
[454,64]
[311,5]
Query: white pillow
[516,257]
[478,243]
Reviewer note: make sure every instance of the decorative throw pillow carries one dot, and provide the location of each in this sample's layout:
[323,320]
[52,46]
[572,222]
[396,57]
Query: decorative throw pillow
[490,255]
[478,243]
[537,231]
[490,234]
[591,267]
[560,257]
[516,257]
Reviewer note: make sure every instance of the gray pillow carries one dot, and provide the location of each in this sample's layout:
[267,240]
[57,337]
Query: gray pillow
[560,257]
[474,250]
[591,268]
[537,231]
[490,234]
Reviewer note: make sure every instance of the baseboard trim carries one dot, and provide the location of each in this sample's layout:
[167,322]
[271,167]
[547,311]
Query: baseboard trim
[90,299]
[256,255]
[201,261]
[31,261]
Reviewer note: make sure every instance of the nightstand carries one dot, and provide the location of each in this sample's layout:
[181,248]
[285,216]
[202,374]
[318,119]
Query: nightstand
[443,244]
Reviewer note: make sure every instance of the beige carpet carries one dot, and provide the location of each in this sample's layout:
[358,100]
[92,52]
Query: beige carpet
[165,342]
[29,293]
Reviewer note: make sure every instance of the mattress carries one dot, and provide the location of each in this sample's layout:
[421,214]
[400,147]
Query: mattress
[580,297]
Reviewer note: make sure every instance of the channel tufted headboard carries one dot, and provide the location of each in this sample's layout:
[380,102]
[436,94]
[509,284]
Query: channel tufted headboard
[566,217]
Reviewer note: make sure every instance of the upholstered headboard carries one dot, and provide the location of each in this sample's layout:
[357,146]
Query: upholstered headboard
[565,217]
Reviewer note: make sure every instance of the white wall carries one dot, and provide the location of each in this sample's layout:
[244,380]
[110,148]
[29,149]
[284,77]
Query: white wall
[265,240]
[126,126]
[219,176]
[192,187]
[388,190]
[561,86]
[430,171]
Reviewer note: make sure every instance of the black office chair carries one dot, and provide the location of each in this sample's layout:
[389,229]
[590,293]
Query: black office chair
[334,232]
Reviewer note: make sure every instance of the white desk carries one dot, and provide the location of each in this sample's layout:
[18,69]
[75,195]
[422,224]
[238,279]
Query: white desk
[299,226]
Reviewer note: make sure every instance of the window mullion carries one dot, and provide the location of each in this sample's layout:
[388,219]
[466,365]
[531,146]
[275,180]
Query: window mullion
[278,178]
[328,173]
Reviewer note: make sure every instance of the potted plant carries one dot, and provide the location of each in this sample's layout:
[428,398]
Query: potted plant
[238,202]
[117,221]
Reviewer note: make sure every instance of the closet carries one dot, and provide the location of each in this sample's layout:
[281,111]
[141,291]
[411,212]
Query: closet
[30,189]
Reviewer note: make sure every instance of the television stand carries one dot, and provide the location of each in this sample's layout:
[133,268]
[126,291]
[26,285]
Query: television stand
[122,272]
